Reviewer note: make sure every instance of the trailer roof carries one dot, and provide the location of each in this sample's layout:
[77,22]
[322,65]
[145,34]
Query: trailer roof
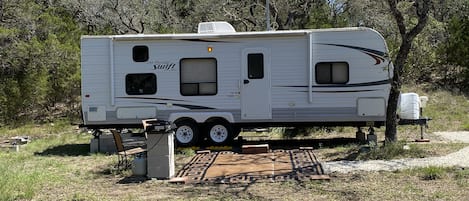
[282,33]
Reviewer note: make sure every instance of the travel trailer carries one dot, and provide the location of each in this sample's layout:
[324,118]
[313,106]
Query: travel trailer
[214,82]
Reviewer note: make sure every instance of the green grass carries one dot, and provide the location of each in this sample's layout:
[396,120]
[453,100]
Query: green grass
[38,164]
[432,172]
[22,174]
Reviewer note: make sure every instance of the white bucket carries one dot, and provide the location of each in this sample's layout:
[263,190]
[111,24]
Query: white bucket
[139,166]
[409,106]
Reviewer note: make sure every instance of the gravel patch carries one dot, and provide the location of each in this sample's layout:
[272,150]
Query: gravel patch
[462,136]
[458,158]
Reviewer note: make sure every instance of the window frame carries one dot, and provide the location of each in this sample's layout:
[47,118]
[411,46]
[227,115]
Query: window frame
[198,83]
[331,70]
[136,49]
[155,84]
[248,66]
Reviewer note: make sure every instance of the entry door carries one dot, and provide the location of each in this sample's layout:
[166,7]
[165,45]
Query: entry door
[255,84]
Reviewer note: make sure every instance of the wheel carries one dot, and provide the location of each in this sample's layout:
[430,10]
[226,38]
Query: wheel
[187,133]
[220,133]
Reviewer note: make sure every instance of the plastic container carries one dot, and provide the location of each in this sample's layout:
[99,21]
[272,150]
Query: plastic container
[139,166]
[409,106]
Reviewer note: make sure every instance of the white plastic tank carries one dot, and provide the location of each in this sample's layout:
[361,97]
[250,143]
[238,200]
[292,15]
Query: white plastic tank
[409,106]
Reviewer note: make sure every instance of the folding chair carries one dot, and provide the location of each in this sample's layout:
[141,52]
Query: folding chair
[123,154]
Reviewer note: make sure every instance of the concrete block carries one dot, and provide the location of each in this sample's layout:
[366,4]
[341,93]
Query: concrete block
[94,148]
[107,144]
[372,139]
[361,137]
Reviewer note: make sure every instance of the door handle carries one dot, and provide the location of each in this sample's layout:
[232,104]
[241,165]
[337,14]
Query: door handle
[246,81]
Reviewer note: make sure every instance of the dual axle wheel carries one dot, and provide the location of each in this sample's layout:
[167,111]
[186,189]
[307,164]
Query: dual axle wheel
[189,133]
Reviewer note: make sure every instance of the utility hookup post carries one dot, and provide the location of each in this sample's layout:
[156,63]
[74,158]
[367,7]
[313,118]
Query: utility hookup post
[423,103]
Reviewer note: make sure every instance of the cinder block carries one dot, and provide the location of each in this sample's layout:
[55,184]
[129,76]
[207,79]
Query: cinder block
[361,137]
[107,144]
[94,145]
[372,139]
[255,149]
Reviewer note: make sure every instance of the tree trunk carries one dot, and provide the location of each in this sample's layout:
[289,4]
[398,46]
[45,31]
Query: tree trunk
[391,114]
[422,8]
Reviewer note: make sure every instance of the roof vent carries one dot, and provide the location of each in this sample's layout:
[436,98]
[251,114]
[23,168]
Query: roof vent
[215,27]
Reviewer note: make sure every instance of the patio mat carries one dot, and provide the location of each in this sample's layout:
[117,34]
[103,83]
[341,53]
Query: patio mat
[230,167]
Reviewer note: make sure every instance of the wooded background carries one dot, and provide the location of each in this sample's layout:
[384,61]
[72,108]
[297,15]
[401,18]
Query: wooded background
[40,40]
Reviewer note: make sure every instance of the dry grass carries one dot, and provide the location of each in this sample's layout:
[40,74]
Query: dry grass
[449,110]
[59,167]
[405,185]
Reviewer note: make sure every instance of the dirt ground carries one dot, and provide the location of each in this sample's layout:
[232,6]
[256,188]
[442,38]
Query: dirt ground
[91,177]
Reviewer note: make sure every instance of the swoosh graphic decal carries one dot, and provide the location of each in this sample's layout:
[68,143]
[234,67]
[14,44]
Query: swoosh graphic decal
[375,54]
[192,107]
[203,40]
[364,84]
[150,98]
[342,91]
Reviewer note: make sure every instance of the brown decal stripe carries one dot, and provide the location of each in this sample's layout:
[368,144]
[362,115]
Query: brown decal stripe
[375,54]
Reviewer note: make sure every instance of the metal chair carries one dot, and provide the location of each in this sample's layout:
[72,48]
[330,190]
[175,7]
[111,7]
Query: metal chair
[123,154]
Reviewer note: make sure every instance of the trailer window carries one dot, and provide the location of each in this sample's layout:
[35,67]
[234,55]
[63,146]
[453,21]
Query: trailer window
[255,66]
[332,73]
[198,77]
[140,84]
[140,53]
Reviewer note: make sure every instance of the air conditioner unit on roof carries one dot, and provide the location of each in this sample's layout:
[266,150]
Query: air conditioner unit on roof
[215,27]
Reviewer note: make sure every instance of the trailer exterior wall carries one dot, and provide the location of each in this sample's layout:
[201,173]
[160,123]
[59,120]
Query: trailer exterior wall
[363,49]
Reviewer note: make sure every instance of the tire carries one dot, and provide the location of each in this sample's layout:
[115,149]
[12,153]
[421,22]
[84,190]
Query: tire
[219,133]
[187,133]
[236,132]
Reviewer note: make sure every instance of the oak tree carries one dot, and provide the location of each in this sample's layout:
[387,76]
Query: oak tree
[408,34]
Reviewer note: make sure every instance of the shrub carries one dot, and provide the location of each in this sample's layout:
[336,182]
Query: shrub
[432,173]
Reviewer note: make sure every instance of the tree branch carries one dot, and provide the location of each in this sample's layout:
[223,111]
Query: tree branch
[422,13]
[397,16]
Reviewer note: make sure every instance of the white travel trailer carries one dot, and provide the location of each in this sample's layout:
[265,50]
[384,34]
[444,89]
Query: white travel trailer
[214,82]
